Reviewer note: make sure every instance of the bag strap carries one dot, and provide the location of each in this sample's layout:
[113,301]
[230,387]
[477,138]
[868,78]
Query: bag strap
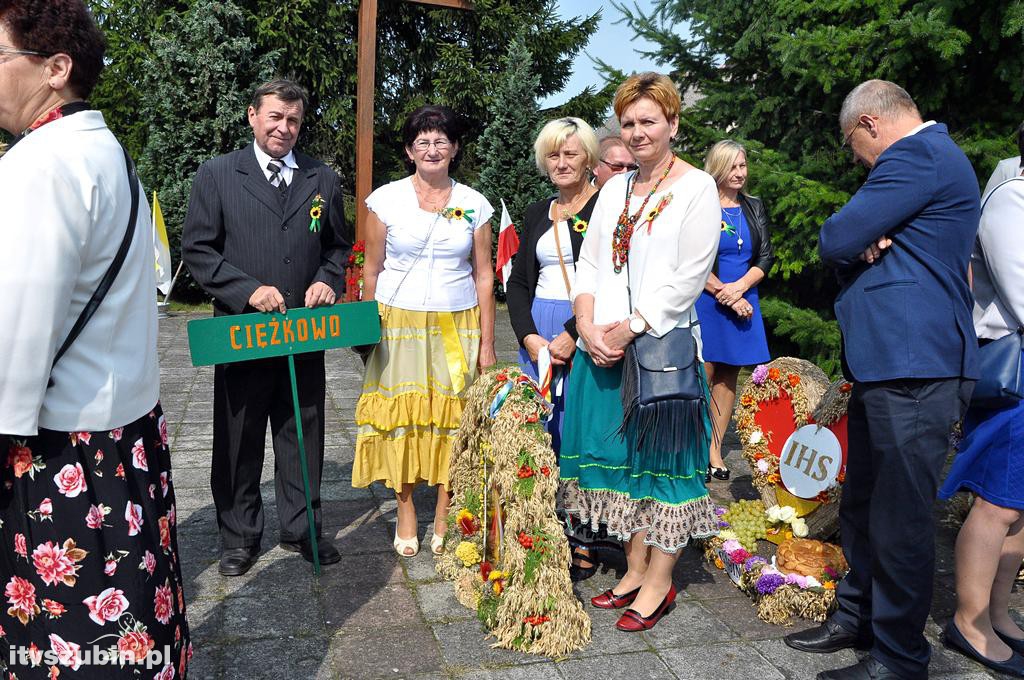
[112,270]
[561,261]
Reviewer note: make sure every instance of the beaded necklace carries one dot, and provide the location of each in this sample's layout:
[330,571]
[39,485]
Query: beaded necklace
[624,227]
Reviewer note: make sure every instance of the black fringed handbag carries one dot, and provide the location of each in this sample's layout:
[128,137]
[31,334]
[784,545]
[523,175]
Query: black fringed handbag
[664,404]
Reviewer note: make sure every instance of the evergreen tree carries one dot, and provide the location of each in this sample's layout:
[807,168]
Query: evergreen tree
[198,84]
[508,169]
[773,75]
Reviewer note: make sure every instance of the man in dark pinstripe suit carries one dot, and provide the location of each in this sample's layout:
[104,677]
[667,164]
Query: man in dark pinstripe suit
[250,242]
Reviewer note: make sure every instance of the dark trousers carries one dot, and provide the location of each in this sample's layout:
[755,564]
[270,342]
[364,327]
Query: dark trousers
[898,441]
[245,396]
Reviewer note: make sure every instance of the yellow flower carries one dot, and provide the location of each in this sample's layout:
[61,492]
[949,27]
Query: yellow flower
[458,213]
[468,553]
[495,575]
[315,212]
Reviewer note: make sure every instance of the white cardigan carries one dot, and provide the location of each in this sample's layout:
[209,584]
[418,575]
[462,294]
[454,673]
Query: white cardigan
[1005,169]
[998,262]
[65,203]
[668,266]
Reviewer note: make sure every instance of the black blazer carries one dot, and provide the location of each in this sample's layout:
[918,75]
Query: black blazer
[522,282]
[760,234]
[239,234]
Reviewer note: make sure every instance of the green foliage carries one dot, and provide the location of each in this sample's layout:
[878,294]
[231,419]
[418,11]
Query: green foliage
[774,73]
[198,81]
[506,147]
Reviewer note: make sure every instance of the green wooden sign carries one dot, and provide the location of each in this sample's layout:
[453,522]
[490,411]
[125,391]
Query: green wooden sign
[242,337]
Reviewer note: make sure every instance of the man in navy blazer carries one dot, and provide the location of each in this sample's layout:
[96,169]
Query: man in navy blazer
[901,248]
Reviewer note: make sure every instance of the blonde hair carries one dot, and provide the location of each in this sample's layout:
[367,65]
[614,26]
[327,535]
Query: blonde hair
[654,86]
[719,161]
[555,133]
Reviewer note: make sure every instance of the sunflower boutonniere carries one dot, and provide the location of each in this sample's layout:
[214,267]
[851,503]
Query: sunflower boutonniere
[579,225]
[316,209]
[458,213]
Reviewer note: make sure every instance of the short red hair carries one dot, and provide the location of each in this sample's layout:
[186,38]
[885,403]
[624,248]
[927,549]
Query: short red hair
[656,87]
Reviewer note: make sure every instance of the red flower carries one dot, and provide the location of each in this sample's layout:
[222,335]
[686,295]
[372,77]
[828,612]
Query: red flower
[501,377]
[134,647]
[107,606]
[794,379]
[485,569]
[532,418]
[119,472]
[468,524]
[845,387]
[351,259]
[56,564]
[536,619]
[20,457]
[545,470]
[133,514]
[139,456]
[67,652]
[359,246]
[21,595]
[19,545]
[53,608]
[525,540]
[70,480]
[163,604]
[774,374]
[525,471]
[165,532]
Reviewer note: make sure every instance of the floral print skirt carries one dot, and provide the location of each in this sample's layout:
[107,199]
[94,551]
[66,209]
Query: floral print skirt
[89,562]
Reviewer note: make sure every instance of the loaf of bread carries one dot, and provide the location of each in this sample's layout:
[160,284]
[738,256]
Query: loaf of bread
[809,558]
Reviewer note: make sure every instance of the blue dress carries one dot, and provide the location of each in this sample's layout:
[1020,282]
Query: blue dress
[727,338]
[990,461]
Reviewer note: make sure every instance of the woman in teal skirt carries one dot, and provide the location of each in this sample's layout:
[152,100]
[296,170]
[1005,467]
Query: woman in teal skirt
[650,246]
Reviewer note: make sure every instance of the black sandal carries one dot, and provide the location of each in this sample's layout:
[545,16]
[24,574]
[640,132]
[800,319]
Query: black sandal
[579,573]
[721,473]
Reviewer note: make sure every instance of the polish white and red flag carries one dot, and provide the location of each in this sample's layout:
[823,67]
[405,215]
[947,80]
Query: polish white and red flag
[508,245]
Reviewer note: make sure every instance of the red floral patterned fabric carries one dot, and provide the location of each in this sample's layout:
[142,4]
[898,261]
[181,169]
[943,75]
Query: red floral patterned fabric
[90,556]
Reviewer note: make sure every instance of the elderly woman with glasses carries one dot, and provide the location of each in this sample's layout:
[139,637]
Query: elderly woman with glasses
[87,507]
[566,151]
[428,265]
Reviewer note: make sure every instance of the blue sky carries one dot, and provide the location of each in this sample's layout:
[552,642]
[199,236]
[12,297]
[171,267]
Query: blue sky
[613,43]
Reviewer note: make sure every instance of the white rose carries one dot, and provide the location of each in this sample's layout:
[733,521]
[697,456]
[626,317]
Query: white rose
[774,513]
[787,513]
[799,528]
[755,436]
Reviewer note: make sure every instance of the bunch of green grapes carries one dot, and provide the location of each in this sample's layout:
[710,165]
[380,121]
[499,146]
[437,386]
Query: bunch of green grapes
[747,520]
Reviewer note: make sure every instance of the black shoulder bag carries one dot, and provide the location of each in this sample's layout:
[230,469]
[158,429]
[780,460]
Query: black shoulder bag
[112,270]
[664,402]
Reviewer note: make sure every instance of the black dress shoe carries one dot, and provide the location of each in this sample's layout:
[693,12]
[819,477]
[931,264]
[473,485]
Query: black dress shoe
[955,639]
[327,552]
[827,638]
[868,669]
[237,561]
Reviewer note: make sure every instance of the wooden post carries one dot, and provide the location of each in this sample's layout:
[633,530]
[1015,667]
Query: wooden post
[366,67]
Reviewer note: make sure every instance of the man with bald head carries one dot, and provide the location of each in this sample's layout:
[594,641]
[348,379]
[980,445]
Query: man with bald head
[900,247]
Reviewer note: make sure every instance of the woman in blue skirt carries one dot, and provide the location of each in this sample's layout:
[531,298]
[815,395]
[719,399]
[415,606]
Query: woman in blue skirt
[728,309]
[566,151]
[990,463]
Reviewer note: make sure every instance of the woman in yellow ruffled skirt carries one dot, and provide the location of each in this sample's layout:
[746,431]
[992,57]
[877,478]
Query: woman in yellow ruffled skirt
[428,265]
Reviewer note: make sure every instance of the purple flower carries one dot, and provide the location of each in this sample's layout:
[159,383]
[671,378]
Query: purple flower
[769,583]
[723,525]
[759,375]
[749,564]
[719,510]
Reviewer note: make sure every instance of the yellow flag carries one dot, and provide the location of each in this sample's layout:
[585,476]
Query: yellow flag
[163,249]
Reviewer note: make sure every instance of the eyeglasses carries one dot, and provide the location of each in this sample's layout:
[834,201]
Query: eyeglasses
[619,167]
[424,144]
[846,140]
[14,51]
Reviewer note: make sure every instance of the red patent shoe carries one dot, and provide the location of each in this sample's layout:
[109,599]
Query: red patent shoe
[609,600]
[631,621]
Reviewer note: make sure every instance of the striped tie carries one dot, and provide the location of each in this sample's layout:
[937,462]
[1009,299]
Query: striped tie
[276,178]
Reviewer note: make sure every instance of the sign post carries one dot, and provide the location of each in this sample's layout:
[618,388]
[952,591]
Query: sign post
[245,337]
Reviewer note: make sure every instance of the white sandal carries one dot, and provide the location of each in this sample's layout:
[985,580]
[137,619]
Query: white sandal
[437,544]
[403,544]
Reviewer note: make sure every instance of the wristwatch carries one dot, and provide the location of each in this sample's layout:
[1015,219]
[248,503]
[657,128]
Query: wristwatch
[637,326]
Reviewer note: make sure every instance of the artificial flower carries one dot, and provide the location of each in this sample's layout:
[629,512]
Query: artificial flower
[467,523]
[468,553]
[756,436]
[762,466]
[769,582]
[759,375]
[799,526]
[774,374]
[794,379]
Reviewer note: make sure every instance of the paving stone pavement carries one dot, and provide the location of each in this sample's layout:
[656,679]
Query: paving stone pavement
[376,615]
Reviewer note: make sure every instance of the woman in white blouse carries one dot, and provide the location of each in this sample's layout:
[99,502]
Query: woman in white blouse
[648,252]
[87,510]
[428,265]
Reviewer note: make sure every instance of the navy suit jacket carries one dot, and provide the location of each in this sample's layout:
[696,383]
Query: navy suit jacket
[908,315]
